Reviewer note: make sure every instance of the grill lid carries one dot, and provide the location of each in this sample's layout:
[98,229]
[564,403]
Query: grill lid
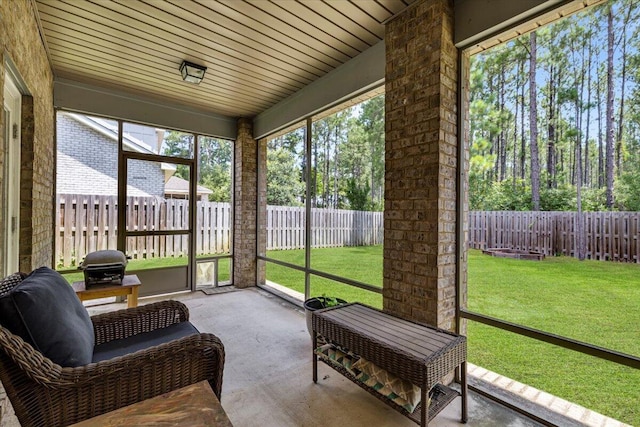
[106,258]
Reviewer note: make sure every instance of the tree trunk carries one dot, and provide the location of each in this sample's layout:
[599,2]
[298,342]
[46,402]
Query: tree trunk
[523,139]
[533,123]
[586,179]
[600,139]
[326,172]
[494,145]
[579,234]
[503,131]
[623,77]
[514,169]
[551,130]
[609,128]
[314,174]
[336,162]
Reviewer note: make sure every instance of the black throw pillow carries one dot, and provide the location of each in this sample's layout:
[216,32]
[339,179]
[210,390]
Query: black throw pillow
[45,312]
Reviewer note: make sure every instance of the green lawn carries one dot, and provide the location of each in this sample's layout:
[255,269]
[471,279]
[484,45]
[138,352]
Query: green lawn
[145,264]
[361,263]
[591,301]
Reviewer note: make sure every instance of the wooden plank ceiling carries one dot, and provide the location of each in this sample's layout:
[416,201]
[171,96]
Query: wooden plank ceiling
[257,52]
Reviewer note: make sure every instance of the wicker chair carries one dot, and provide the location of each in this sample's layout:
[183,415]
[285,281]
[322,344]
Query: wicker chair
[45,394]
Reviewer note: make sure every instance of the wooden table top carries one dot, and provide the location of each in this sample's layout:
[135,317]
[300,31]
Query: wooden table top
[195,406]
[127,281]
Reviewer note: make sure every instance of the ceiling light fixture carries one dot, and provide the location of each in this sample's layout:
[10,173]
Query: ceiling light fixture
[192,73]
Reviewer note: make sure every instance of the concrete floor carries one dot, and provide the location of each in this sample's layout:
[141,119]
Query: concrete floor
[267,376]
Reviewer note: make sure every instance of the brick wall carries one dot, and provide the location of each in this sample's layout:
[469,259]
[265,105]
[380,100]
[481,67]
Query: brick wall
[85,153]
[421,164]
[245,206]
[20,40]
[144,179]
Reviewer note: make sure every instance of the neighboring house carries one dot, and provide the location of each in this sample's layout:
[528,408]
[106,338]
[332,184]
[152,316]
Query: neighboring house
[178,188]
[88,159]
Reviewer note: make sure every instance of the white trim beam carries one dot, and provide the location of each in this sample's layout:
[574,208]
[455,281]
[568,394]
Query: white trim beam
[356,76]
[86,99]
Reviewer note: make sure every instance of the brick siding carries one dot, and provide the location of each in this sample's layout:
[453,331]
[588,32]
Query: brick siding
[421,165]
[86,153]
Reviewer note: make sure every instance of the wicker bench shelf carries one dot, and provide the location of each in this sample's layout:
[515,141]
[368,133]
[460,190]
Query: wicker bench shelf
[442,396]
[418,353]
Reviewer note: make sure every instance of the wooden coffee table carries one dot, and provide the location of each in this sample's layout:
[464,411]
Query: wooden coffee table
[129,287]
[195,406]
[418,353]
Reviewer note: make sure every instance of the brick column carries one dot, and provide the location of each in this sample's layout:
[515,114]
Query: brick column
[262,209]
[421,165]
[245,206]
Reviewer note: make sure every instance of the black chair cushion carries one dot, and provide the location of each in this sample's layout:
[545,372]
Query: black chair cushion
[142,341]
[45,312]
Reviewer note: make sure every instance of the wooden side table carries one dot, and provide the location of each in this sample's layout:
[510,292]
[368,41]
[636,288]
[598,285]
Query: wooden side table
[129,287]
[195,405]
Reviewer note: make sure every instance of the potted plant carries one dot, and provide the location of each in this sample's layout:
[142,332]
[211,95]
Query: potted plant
[317,303]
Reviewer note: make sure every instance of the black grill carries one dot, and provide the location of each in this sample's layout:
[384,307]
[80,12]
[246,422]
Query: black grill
[104,267]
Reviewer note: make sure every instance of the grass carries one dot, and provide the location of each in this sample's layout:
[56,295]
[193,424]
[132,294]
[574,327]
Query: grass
[590,301]
[361,263]
[145,264]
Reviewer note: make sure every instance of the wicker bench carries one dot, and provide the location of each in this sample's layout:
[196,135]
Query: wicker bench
[418,353]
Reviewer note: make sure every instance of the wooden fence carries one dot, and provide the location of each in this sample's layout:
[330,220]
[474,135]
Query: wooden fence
[329,228]
[608,236]
[88,223]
